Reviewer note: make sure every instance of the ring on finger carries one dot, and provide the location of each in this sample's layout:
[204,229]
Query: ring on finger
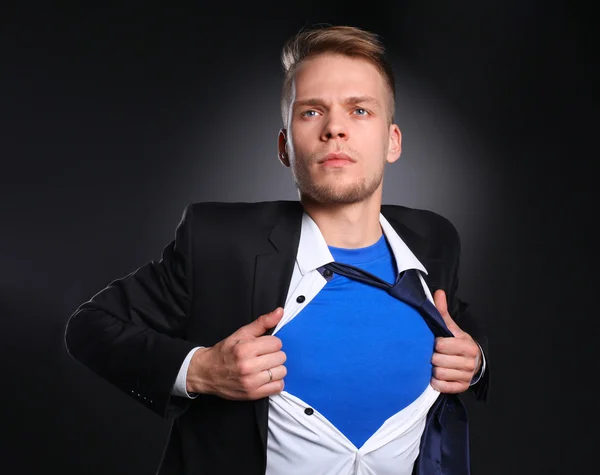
[270,375]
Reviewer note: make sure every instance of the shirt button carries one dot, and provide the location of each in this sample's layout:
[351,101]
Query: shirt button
[300,299]
[327,273]
[309,411]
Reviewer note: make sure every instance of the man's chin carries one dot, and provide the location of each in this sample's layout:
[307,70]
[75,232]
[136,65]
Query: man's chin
[335,197]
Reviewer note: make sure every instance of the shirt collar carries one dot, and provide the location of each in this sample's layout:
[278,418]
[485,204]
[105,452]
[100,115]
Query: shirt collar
[314,253]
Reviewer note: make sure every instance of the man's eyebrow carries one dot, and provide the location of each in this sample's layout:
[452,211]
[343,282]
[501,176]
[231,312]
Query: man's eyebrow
[315,101]
[361,100]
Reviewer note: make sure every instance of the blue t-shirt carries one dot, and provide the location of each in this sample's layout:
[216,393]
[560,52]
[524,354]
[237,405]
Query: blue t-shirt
[356,354]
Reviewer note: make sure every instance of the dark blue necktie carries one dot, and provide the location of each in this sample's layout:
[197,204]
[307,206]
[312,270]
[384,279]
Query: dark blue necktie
[407,288]
[444,446]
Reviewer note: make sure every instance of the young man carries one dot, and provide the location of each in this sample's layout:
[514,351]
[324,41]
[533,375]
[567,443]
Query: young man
[245,298]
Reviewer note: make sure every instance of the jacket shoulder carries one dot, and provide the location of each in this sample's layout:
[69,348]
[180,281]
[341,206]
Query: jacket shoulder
[264,210]
[238,223]
[425,223]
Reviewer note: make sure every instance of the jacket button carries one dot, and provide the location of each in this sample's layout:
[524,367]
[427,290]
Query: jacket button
[309,411]
[300,298]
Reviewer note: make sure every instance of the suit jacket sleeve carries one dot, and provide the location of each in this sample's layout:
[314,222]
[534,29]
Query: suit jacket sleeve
[132,332]
[460,313]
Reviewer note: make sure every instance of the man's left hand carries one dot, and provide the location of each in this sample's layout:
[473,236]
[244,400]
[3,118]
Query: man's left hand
[455,359]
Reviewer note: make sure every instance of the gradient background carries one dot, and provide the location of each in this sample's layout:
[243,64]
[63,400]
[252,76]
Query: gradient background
[113,120]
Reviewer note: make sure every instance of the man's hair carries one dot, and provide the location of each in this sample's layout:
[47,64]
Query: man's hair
[344,40]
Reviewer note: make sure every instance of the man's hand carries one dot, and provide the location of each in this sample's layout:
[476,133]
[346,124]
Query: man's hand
[238,367]
[455,359]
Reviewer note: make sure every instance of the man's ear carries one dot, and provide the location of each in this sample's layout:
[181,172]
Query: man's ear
[282,149]
[395,145]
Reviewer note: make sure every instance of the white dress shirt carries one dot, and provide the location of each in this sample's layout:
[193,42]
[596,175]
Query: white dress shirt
[302,443]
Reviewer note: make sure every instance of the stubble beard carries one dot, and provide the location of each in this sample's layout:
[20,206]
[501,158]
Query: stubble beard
[332,193]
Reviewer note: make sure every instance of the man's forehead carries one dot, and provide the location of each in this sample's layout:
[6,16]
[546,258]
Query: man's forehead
[342,77]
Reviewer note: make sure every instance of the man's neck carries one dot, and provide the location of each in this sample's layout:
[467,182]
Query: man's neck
[349,226]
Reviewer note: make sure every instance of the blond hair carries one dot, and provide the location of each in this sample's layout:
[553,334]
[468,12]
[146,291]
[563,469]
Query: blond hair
[344,40]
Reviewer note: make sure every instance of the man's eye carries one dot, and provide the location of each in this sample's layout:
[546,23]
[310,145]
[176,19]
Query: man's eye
[309,113]
[361,111]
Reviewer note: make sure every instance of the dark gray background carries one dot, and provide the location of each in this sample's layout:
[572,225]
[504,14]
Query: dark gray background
[111,121]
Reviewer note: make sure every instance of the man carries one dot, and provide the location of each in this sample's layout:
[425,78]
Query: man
[246,298]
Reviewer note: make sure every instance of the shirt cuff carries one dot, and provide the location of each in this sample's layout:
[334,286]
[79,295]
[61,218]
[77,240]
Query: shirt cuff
[180,386]
[478,376]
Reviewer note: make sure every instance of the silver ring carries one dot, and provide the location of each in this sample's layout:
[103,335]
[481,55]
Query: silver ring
[270,375]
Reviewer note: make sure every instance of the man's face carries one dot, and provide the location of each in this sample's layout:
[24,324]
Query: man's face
[338,138]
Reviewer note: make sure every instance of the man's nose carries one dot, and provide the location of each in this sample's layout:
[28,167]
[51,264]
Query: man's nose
[335,127]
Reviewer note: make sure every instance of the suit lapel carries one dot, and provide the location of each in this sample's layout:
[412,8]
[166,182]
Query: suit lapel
[274,267]
[272,275]
[417,243]
[421,248]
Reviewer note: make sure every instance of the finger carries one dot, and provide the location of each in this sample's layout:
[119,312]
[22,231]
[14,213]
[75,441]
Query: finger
[259,391]
[247,353]
[441,303]
[261,363]
[269,389]
[448,387]
[439,299]
[253,382]
[452,375]
[456,347]
[459,363]
[277,373]
[259,326]
[265,345]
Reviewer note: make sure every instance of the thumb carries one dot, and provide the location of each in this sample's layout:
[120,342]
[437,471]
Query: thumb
[259,326]
[439,299]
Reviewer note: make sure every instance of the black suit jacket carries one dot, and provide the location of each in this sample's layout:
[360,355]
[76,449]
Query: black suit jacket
[228,264]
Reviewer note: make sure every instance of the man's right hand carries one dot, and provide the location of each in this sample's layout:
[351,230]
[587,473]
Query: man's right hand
[236,367]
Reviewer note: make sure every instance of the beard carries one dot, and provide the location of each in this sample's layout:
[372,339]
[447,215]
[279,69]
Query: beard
[335,191]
